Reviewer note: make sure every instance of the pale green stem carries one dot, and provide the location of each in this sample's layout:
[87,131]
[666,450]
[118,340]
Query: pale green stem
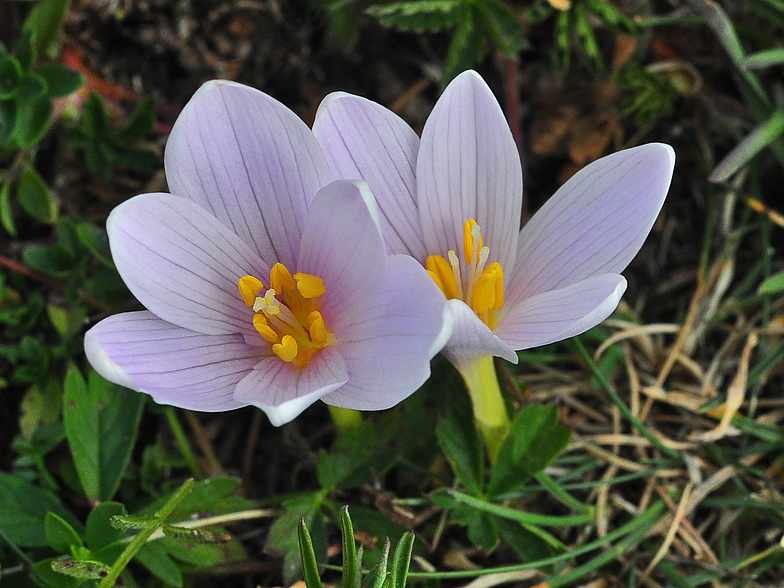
[345,418]
[489,408]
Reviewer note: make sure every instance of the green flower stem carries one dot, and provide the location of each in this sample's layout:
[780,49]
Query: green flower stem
[489,408]
[182,441]
[140,539]
[345,418]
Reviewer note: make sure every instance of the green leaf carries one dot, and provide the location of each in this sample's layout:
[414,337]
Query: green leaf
[60,535]
[99,530]
[402,560]
[502,26]
[81,569]
[354,454]
[23,510]
[762,136]
[43,22]
[529,546]
[459,440]
[308,555]
[535,439]
[39,407]
[465,50]
[33,195]
[283,538]
[773,284]
[349,550]
[95,241]
[68,322]
[61,80]
[101,422]
[153,556]
[31,87]
[32,121]
[45,574]
[418,16]
[613,17]
[141,123]
[10,76]
[8,120]
[6,214]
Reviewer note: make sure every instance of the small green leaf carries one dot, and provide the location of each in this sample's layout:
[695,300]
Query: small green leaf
[283,538]
[32,121]
[466,48]
[153,556]
[418,16]
[8,120]
[773,285]
[43,23]
[95,241]
[308,556]
[194,535]
[23,510]
[10,76]
[101,422]
[60,535]
[349,550]
[459,440]
[6,213]
[61,80]
[141,123]
[33,195]
[535,439]
[31,87]
[45,575]
[762,136]
[67,321]
[402,560]
[82,569]
[99,530]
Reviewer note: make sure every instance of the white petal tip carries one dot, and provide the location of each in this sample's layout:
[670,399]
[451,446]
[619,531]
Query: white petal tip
[104,365]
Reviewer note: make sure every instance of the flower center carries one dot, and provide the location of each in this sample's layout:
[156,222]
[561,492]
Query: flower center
[287,314]
[483,288]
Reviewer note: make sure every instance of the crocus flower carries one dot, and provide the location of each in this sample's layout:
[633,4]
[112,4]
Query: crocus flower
[453,200]
[266,283]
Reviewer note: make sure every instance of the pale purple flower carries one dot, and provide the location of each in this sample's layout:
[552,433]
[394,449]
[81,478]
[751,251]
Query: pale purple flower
[512,289]
[265,282]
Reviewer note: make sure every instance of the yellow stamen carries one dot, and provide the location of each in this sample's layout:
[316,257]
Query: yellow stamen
[498,272]
[280,278]
[309,286]
[443,275]
[318,331]
[264,329]
[250,288]
[471,236]
[483,297]
[287,348]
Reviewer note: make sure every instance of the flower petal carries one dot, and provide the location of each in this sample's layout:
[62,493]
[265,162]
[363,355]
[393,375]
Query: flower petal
[469,168]
[250,161]
[595,223]
[559,314]
[173,365]
[182,263]
[342,245]
[284,391]
[472,339]
[389,347]
[362,140]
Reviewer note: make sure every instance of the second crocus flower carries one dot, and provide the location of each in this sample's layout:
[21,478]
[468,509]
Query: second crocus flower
[453,201]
